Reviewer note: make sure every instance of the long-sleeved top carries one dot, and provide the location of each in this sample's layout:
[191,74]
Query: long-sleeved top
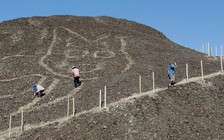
[75,72]
[171,68]
[39,88]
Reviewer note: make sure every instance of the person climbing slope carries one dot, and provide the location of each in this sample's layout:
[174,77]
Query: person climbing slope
[171,73]
[38,90]
[76,75]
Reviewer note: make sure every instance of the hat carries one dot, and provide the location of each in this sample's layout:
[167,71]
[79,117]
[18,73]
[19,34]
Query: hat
[34,85]
[73,67]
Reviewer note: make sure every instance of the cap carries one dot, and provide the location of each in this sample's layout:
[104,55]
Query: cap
[34,85]
[73,67]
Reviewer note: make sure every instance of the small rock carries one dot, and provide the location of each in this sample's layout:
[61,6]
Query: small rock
[104,127]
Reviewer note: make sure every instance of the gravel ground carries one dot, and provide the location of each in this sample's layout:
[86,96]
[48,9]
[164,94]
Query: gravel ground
[109,52]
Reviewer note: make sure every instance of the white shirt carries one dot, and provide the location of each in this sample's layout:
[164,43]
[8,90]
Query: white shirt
[39,88]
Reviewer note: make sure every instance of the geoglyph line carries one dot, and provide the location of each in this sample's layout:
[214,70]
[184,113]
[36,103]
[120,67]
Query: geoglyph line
[8,80]
[100,20]
[53,85]
[49,52]
[30,107]
[30,104]
[5,96]
[127,56]
[16,130]
[4,134]
[116,104]
[43,78]
[101,38]
[55,82]
[18,55]
[73,32]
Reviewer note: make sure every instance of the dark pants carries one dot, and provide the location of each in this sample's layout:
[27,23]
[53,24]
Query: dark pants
[77,82]
[172,78]
[40,93]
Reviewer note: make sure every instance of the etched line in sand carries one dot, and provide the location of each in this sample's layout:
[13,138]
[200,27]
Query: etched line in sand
[99,20]
[70,54]
[101,38]
[111,54]
[116,104]
[49,52]
[70,94]
[36,100]
[98,67]
[24,76]
[43,78]
[127,56]
[18,55]
[5,96]
[52,86]
[73,32]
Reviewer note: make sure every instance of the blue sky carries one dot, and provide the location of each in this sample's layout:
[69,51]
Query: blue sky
[189,23]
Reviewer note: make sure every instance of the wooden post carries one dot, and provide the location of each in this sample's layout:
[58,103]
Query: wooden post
[202,75]
[10,125]
[208,50]
[187,71]
[22,120]
[140,86]
[221,60]
[203,49]
[73,106]
[68,108]
[105,97]
[216,51]
[100,100]
[153,82]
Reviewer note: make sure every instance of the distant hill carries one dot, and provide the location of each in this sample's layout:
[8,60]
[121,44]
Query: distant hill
[109,52]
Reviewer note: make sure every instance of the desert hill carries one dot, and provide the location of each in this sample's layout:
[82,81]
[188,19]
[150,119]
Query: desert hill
[109,52]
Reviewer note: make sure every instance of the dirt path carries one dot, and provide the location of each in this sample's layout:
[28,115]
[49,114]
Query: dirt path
[118,103]
[193,79]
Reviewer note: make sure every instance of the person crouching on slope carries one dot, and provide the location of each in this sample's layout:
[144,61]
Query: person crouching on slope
[76,75]
[171,73]
[38,90]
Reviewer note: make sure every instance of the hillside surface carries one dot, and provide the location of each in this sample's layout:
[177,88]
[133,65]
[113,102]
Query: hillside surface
[109,52]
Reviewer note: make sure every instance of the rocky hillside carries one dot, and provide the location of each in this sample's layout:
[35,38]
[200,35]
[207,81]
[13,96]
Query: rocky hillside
[109,52]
